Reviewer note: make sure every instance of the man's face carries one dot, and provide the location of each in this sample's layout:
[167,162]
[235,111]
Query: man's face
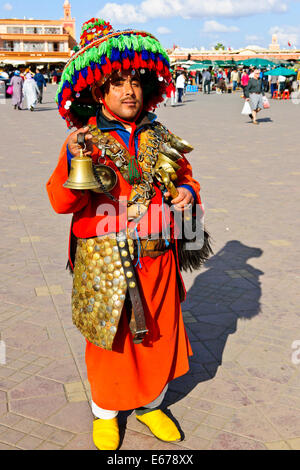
[256,74]
[124,95]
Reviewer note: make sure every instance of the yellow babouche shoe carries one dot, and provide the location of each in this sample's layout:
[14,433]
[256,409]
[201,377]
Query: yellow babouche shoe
[106,434]
[160,425]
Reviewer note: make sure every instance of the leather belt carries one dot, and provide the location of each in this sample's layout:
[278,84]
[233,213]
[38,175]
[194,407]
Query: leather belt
[137,324]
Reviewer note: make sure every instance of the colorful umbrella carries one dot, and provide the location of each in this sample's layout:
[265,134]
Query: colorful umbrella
[281,71]
[257,62]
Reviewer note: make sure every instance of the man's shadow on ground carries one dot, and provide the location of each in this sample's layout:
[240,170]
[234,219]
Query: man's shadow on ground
[228,290]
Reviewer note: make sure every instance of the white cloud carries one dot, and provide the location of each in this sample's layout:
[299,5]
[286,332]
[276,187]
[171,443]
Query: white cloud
[148,9]
[286,34]
[163,30]
[121,14]
[215,27]
[7,6]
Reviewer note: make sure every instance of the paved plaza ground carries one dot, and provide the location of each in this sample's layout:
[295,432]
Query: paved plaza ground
[241,313]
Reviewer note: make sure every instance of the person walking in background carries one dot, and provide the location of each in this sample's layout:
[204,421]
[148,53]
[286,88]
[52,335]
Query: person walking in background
[254,93]
[244,80]
[17,84]
[31,92]
[206,80]
[234,77]
[170,92]
[41,83]
[180,83]
[273,84]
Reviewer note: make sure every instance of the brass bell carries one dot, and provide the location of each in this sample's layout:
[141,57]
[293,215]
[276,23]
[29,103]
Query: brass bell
[180,144]
[81,174]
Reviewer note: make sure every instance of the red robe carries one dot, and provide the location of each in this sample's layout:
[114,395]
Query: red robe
[131,375]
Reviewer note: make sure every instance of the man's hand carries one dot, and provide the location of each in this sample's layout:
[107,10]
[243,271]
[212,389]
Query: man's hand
[183,199]
[74,147]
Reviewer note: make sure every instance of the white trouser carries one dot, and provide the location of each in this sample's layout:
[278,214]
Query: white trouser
[110,414]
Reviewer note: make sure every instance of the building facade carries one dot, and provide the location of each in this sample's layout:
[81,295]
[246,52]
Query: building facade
[273,52]
[28,41]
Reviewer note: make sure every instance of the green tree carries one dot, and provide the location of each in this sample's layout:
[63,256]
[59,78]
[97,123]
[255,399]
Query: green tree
[219,46]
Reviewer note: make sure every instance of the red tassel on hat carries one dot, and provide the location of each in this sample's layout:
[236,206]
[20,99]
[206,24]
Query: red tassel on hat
[136,63]
[98,74]
[90,76]
[126,64]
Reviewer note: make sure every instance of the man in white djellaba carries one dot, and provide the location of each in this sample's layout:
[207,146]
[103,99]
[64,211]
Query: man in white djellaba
[31,92]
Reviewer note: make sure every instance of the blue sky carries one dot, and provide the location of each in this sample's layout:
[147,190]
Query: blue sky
[187,23]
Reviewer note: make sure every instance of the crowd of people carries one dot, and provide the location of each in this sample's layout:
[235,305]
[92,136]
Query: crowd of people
[26,86]
[228,80]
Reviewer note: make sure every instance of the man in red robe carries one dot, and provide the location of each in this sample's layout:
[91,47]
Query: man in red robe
[127,368]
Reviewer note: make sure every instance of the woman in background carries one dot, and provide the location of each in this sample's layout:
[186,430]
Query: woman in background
[17,84]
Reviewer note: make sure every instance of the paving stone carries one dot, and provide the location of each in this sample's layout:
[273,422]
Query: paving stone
[11,436]
[74,417]
[227,441]
[38,407]
[29,443]
[280,445]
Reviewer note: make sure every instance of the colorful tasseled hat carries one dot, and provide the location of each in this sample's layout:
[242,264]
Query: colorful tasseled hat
[103,51]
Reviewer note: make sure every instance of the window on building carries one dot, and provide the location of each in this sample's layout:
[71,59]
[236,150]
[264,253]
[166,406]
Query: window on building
[56,47]
[15,30]
[34,46]
[34,30]
[52,30]
[12,46]
[8,45]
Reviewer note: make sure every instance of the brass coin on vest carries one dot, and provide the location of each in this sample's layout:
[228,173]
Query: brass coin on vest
[110,268]
[106,244]
[109,284]
[115,257]
[115,249]
[96,256]
[129,274]
[90,249]
[132,284]
[115,313]
[124,253]
[127,264]
[90,242]
[110,292]
[121,244]
[118,304]
[108,251]
[118,264]
[96,287]
[109,276]
[107,259]
[100,262]
[117,273]
[104,269]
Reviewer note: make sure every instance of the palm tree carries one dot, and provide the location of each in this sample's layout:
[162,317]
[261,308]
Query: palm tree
[219,46]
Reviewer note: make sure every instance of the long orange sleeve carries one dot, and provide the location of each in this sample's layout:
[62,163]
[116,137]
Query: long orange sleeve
[63,200]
